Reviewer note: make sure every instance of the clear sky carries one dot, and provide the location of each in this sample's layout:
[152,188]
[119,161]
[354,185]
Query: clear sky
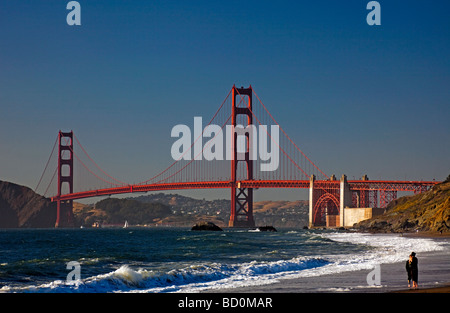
[357,99]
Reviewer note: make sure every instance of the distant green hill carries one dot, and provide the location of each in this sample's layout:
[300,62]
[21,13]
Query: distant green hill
[117,211]
[428,211]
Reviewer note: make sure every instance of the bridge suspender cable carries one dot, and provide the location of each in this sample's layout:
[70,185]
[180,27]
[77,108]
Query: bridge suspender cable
[46,165]
[190,148]
[275,142]
[287,135]
[84,165]
[120,182]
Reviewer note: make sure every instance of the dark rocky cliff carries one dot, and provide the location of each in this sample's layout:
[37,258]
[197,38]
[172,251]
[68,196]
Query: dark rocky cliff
[22,207]
[428,211]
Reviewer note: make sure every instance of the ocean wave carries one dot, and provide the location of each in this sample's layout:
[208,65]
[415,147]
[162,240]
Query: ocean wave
[387,248]
[378,249]
[192,278]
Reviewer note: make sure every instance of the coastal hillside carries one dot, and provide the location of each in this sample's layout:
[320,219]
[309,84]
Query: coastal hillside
[185,211]
[282,213]
[116,211]
[22,207]
[428,211]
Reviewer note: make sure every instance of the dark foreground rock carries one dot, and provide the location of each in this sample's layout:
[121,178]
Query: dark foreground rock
[266,228]
[206,226]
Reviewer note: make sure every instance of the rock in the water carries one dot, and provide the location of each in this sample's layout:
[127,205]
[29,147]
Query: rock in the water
[266,228]
[206,226]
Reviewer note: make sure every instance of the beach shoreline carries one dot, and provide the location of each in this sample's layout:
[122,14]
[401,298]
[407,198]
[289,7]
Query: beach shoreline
[414,234]
[434,276]
[445,288]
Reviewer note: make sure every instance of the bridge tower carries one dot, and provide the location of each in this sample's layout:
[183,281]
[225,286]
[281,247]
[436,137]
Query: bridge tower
[64,213]
[241,198]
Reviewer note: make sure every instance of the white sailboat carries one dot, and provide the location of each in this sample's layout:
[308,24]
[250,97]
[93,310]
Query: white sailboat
[125,225]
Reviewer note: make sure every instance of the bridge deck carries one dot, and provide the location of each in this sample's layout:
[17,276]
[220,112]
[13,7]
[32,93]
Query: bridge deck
[415,186]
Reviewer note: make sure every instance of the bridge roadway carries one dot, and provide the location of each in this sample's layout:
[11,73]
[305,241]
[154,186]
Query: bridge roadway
[415,186]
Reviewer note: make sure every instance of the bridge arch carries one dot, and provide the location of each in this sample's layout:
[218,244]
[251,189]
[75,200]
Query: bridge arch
[327,204]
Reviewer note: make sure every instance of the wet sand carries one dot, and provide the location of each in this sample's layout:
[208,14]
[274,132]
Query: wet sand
[434,276]
[443,289]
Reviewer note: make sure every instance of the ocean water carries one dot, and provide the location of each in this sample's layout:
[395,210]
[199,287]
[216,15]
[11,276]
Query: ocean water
[159,260]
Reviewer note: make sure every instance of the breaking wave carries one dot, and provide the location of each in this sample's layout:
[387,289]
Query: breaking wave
[192,278]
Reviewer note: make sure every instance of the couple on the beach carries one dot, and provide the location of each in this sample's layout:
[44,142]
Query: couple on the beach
[413,270]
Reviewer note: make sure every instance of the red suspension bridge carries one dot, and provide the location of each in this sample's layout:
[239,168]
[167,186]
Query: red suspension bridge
[70,173]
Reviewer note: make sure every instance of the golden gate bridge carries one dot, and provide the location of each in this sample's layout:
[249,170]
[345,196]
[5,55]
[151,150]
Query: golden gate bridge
[70,173]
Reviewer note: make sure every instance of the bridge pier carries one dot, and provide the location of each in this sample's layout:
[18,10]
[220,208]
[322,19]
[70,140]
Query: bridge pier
[345,199]
[327,202]
[64,214]
[311,200]
[241,214]
[341,203]
[242,208]
[64,209]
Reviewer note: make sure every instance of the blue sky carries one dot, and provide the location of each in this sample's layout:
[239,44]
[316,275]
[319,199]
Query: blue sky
[357,99]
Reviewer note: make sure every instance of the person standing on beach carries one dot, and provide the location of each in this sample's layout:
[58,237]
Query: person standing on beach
[413,270]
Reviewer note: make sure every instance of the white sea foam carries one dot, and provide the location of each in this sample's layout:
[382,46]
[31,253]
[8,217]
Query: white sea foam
[386,249]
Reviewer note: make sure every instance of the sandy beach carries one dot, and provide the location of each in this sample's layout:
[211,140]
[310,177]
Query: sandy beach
[434,276]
